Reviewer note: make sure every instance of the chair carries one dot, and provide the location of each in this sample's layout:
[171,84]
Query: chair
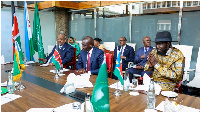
[195,82]
[80,44]
[73,62]
[109,45]
[109,61]
[187,53]
[132,45]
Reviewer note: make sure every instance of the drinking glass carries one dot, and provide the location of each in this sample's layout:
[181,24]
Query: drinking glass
[135,84]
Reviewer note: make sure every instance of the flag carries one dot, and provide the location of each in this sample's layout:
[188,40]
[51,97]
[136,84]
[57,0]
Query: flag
[28,38]
[100,95]
[18,65]
[13,12]
[56,59]
[118,69]
[37,37]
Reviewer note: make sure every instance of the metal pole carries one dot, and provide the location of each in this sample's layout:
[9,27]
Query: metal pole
[130,20]
[179,23]
[95,22]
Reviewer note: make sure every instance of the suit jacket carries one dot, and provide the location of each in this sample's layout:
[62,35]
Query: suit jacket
[66,53]
[142,61]
[129,53]
[96,60]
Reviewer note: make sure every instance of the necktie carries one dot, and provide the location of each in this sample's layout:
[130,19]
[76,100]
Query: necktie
[145,50]
[88,62]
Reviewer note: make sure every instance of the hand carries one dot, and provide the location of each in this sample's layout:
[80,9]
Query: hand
[81,71]
[42,59]
[123,57]
[75,40]
[152,60]
[139,67]
[143,56]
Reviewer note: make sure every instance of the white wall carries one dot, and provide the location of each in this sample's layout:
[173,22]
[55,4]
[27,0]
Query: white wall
[48,30]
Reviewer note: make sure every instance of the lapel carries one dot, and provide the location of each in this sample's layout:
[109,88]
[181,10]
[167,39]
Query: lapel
[92,56]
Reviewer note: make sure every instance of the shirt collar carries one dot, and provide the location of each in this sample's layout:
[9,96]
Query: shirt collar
[91,51]
[168,51]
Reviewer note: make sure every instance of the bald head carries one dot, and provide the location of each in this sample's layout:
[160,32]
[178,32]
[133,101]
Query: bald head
[147,41]
[87,43]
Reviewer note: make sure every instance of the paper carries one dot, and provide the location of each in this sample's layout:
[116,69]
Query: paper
[80,81]
[68,88]
[120,87]
[8,98]
[5,83]
[44,65]
[134,93]
[63,108]
[183,108]
[3,59]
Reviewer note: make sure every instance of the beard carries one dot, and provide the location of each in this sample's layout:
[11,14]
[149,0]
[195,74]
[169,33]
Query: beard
[163,52]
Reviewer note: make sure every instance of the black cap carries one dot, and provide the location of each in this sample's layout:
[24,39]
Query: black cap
[164,36]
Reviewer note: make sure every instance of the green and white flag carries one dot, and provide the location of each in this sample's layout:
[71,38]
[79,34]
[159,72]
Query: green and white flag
[100,95]
[37,36]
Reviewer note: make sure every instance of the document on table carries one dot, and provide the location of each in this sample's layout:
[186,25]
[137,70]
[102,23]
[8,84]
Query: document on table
[8,98]
[183,108]
[80,81]
[120,87]
[63,108]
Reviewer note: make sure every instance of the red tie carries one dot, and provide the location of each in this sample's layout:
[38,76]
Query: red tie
[88,62]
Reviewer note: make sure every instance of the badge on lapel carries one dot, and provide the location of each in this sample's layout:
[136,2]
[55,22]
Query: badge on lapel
[63,49]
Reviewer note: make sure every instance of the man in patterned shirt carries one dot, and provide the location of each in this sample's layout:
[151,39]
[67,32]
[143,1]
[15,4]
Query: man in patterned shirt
[166,62]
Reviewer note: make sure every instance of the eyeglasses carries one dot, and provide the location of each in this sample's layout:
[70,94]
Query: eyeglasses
[121,40]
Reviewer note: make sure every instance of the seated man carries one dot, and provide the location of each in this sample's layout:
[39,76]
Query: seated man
[166,62]
[66,51]
[127,54]
[141,59]
[90,58]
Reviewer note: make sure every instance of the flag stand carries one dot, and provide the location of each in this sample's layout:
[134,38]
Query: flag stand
[117,92]
[21,86]
[56,76]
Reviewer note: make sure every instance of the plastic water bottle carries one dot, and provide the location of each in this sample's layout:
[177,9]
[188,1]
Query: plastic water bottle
[10,83]
[88,105]
[126,81]
[151,100]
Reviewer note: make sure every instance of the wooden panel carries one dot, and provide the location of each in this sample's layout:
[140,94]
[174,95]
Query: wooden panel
[89,4]
[67,4]
[107,3]
[43,5]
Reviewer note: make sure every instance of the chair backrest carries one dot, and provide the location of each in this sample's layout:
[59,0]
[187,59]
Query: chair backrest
[197,72]
[109,61]
[80,44]
[187,53]
[109,45]
[73,62]
[132,45]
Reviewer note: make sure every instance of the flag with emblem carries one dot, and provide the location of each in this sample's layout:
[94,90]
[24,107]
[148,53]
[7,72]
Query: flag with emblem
[100,95]
[118,69]
[56,59]
[28,38]
[18,65]
[37,37]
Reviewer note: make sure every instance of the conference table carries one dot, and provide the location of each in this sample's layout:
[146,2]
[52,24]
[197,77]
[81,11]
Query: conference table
[42,91]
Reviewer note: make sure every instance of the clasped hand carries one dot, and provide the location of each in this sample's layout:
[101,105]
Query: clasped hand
[152,60]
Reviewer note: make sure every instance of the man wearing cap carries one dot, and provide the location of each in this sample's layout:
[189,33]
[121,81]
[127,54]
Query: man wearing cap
[166,62]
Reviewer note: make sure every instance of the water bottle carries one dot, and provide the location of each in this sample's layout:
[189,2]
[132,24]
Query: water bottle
[88,105]
[10,83]
[151,100]
[126,81]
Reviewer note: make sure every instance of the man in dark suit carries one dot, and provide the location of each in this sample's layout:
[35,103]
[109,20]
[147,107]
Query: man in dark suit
[127,54]
[141,59]
[90,58]
[66,51]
